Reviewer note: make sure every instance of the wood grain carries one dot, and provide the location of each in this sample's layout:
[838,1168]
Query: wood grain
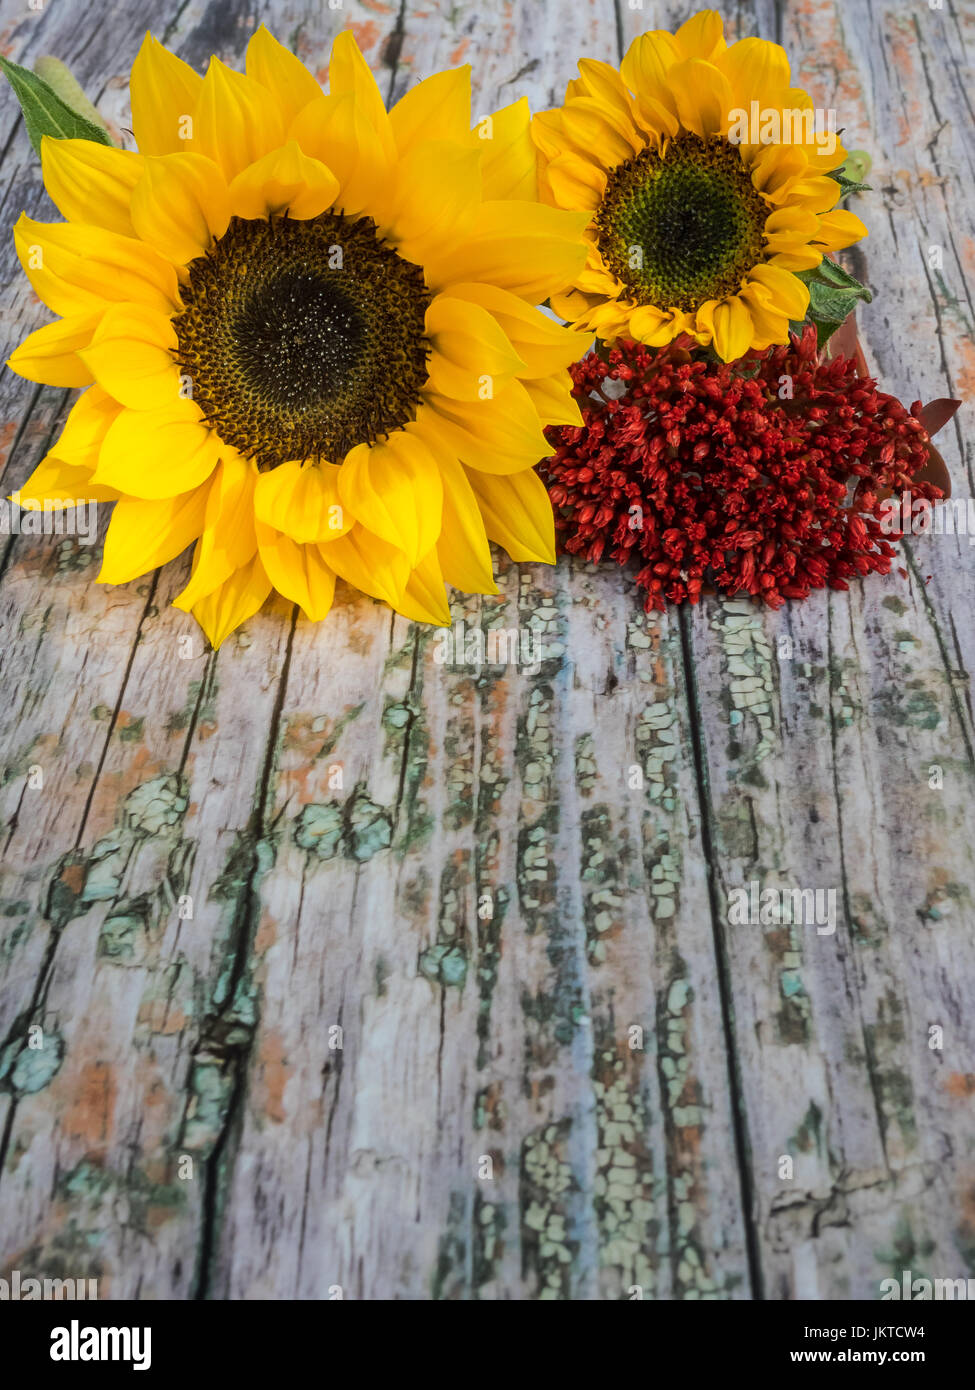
[459,1011]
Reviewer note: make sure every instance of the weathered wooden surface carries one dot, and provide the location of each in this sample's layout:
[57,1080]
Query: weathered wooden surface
[505,1036]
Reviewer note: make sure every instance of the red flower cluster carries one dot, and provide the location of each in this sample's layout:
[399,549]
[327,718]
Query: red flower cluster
[764,476]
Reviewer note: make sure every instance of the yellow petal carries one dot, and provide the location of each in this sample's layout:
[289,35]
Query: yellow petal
[394,490]
[502,435]
[770,325]
[543,345]
[76,269]
[85,429]
[283,179]
[91,183]
[794,222]
[838,229]
[229,539]
[180,205]
[576,182]
[233,601]
[66,471]
[143,535]
[570,305]
[131,357]
[437,197]
[651,325]
[164,92]
[370,564]
[701,36]
[236,121]
[703,95]
[547,134]
[817,193]
[789,295]
[157,454]
[50,354]
[348,71]
[278,70]
[647,62]
[438,108]
[517,513]
[472,357]
[302,501]
[463,549]
[509,162]
[798,258]
[733,329]
[775,168]
[54,485]
[336,131]
[756,70]
[424,600]
[553,400]
[594,128]
[299,572]
[604,82]
[527,248]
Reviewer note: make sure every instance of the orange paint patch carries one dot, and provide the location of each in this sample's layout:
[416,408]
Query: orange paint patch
[458,54]
[367,34]
[960,1084]
[275,1071]
[965,374]
[267,934]
[160,1016]
[93,1109]
[73,878]
[8,433]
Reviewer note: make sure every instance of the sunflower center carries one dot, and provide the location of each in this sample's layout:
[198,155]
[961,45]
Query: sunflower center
[303,338]
[683,224]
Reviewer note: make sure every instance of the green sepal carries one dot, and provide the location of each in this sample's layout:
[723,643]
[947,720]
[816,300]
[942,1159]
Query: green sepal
[833,295]
[45,113]
[851,174]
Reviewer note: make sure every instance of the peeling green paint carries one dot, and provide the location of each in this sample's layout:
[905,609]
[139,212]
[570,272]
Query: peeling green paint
[546,1183]
[25,1070]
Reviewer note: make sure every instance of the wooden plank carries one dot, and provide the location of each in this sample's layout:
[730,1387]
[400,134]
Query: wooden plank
[820,728]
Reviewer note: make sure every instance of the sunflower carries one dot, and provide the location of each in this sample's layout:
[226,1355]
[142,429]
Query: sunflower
[693,229]
[308,331]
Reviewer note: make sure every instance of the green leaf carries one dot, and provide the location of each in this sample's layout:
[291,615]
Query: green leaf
[834,275]
[825,328]
[45,113]
[64,84]
[833,296]
[825,302]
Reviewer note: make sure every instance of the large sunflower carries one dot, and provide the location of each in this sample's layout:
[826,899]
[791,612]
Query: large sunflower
[692,231]
[308,332]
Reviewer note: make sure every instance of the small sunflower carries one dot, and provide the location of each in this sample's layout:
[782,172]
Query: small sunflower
[308,331]
[692,231]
